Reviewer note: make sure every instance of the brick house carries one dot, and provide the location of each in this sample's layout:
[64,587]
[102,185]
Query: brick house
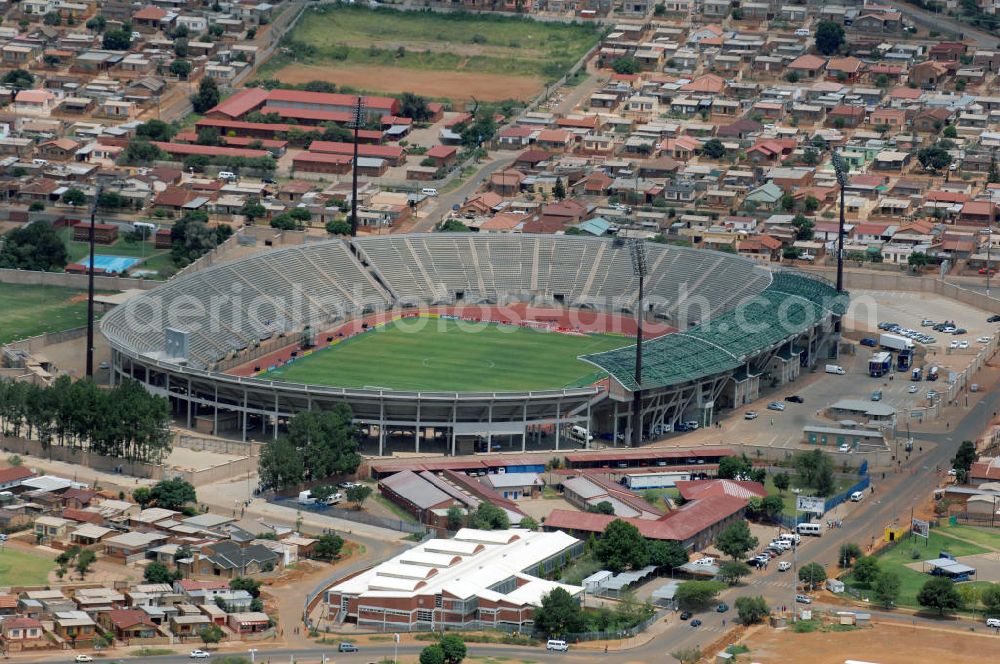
[128,625]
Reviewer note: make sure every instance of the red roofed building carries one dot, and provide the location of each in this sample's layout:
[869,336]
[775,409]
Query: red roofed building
[185,149]
[978,213]
[442,154]
[19,633]
[845,116]
[241,103]
[128,625]
[326,101]
[321,162]
[394,154]
[13,476]
[308,116]
[697,489]
[251,129]
[986,469]
[807,66]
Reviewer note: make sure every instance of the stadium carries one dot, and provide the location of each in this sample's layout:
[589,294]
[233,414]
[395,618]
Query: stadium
[534,335]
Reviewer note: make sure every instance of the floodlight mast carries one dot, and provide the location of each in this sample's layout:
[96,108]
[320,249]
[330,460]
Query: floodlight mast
[841,170]
[357,121]
[637,249]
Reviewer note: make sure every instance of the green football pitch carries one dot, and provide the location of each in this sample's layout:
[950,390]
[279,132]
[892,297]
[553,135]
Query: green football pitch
[26,311]
[431,354]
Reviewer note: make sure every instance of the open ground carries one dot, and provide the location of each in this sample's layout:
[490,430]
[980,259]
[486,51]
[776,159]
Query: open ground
[31,310]
[438,354]
[886,643]
[454,55]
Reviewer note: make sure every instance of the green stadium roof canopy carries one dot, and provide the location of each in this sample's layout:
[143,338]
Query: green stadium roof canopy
[789,306]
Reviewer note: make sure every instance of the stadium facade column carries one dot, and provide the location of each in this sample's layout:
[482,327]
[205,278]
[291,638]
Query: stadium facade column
[416,430]
[558,422]
[489,429]
[190,399]
[614,431]
[275,416]
[245,404]
[524,431]
[381,424]
[215,411]
[454,424]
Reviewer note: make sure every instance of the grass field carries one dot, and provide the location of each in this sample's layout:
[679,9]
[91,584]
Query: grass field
[442,355]
[156,260]
[471,48]
[899,556]
[32,310]
[789,497]
[20,568]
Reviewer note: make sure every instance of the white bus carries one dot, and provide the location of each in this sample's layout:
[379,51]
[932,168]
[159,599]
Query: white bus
[814,529]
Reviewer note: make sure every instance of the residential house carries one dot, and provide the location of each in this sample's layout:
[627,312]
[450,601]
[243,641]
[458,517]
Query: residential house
[20,633]
[844,70]
[74,626]
[929,74]
[807,67]
[252,622]
[52,528]
[129,625]
[228,560]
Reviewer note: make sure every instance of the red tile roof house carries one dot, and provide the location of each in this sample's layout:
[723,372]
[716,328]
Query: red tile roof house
[129,625]
[845,70]
[394,154]
[845,116]
[986,469]
[13,476]
[893,118]
[443,155]
[807,66]
[978,213]
[554,140]
[23,633]
[321,162]
[185,149]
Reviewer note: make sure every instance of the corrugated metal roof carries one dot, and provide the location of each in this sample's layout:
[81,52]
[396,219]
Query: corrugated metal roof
[415,489]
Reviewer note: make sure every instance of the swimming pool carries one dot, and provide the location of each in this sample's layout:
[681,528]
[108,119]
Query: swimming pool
[116,264]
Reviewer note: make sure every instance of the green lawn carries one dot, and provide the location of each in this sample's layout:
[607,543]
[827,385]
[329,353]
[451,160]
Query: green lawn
[20,568]
[157,260]
[898,556]
[840,484]
[980,536]
[434,354]
[459,41]
[31,310]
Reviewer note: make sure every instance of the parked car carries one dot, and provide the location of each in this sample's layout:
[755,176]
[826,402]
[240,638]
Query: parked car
[83,658]
[959,330]
[868,341]
[722,608]
[685,615]
[953,344]
[995,318]
[750,415]
[984,340]
[877,395]
[913,389]
[557,644]
[775,405]
[784,566]
[803,599]
[347,647]
[927,322]
[696,623]
[963,344]
[990,271]
[795,399]
[708,560]
[199,654]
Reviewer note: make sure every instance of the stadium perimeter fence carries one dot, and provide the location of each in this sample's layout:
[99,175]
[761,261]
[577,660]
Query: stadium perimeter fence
[357,516]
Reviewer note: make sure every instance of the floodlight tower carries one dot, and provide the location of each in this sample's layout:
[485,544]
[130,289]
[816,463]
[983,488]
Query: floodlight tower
[356,123]
[637,248]
[840,168]
[90,282]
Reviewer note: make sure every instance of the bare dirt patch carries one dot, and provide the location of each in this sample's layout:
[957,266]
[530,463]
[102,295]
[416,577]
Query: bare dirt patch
[886,643]
[441,84]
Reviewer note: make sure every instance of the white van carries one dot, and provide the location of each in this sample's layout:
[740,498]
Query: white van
[794,538]
[227,175]
[814,529]
[578,432]
[835,369]
[857,496]
[557,644]
[306,498]
[429,191]
[993,622]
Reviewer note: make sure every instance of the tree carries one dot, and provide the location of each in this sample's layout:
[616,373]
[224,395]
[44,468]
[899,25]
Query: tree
[735,467]
[950,132]
[866,570]
[456,517]
[694,595]
[180,68]
[252,586]
[52,18]
[752,610]
[886,588]
[603,507]
[528,523]
[252,209]
[157,573]
[940,593]
[454,226]
[803,227]
[280,464]
[815,470]
[918,259]
[210,634]
[36,247]
[965,456]
[559,190]
[173,494]
[432,654]
[781,481]
[690,655]
[18,79]
[812,574]
[934,158]
[414,107]
[811,204]
[454,648]
[207,97]
[621,547]
[787,202]
[142,496]
[829,37]
[97,24]
[84,560]
[358,494]
[328,546]
[667,553]
[626,65]
[849,552]
[141,151]
[489,517]
[810,157]
[559,614]
[736,540]
[771,507]
[338,227]
[713,149]
[481,130]
[74,197]
[732,571]
[116,40]
[182,47]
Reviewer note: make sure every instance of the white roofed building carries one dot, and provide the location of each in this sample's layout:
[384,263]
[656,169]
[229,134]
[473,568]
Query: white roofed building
[478,578]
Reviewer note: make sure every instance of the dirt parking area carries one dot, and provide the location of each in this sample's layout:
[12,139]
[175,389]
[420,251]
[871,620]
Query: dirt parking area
[885,643]
[537,508]
[453,85]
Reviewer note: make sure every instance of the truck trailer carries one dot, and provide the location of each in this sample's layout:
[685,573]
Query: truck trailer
[640,481]
[895,342]
[880,364]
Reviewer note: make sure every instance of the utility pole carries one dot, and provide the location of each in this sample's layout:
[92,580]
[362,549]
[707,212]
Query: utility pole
[841,171]
[90,284]
[637,249]
[356,122]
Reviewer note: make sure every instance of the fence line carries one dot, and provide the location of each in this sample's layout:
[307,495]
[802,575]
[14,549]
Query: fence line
[354,515]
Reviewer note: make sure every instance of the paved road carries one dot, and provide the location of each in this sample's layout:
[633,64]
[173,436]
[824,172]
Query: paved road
[943,22]
[444,202]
